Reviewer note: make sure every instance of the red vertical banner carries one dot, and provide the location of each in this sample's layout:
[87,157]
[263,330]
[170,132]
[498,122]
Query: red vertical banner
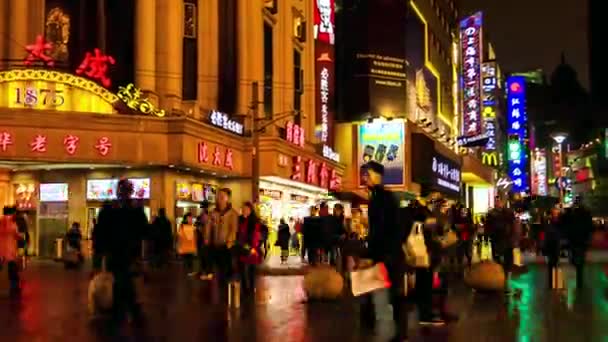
[325,37]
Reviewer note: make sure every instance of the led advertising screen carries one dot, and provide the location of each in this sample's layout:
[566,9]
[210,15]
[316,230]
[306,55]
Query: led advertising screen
[470,49]
[517,123]
[539,173]
[382,142]
[53,192]
[101,189]
[141,187]
[105,189]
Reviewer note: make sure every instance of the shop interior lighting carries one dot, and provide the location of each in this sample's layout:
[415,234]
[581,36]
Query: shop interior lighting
[293,184]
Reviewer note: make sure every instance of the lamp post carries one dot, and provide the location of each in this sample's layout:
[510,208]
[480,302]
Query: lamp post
[559,138]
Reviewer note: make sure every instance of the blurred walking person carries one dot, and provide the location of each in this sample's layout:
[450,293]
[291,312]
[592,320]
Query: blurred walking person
[551,246]
[578,224]
[186,243]
[501,228]
[204,250]
[162,237]
[9,237]
[250,243]
[284,236]
[311,230]
[220,233]
[385,239]
[121,228]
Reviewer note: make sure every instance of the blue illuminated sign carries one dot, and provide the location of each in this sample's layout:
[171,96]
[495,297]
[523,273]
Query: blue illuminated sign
[517,123]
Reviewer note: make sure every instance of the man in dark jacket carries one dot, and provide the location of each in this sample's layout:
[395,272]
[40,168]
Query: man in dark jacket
[121,230]
[385,238]
[500,225]
[311,229]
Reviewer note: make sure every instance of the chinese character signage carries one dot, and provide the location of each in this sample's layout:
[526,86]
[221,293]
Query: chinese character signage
[294,134]
[39,144]
[446,173]
[217,156]
[25,198]
[488,71]
[315,173]
[222,120]
[324,32]
[517,130]
[383,142]
[539,173]
[470,41]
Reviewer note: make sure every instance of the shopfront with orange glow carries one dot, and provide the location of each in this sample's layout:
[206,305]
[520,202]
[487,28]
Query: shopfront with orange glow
[65,141]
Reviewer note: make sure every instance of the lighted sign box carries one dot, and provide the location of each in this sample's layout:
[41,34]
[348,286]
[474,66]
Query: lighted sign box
[53,192]
[446,173]
[141,187]
[324,35]
[471,45]
[223,121]
[517,130]
[106,189]
[101,189]
[382,142]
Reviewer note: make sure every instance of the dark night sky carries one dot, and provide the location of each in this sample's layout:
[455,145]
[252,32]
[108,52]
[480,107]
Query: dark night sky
[530,34]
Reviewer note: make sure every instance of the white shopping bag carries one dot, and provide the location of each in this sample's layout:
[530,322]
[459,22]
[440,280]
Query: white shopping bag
[415,249]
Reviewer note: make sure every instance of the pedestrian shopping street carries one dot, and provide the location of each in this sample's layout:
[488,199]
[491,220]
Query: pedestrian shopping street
[53,308]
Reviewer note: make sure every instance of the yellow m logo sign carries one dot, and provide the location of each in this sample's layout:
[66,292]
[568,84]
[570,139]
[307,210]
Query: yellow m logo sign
[489,158]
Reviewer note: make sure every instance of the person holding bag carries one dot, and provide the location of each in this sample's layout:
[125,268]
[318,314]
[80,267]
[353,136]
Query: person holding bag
[384,249]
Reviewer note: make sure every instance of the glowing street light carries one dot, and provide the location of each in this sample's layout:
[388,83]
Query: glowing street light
[559,138]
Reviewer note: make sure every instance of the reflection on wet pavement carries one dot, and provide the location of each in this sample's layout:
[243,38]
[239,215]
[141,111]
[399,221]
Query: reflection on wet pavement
[53,307]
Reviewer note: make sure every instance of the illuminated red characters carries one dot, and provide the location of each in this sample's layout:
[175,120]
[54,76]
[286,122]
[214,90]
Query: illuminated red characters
[203,152]
[323,176]
[39,143]
[296,170]
[294,134]
[6,139]
[95,65]
[311,172]
[103,146]
[217,156]
[37,52]
[70,143]
[335,181]
[228,161]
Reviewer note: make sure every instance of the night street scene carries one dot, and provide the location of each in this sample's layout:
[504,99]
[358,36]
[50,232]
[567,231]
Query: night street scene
[303,171]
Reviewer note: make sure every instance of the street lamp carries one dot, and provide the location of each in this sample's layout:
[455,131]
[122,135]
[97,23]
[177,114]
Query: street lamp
[559,138]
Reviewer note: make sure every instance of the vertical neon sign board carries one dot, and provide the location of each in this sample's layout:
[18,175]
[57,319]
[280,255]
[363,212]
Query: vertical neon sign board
[517,122]
[324,34]
[470,45]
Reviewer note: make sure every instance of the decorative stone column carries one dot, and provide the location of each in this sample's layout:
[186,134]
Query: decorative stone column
[3,30]
[250,33]
[18,21]
[208,46]
[145,47]
[169,51]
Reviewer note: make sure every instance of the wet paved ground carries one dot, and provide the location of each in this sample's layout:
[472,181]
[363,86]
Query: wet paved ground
[53,308]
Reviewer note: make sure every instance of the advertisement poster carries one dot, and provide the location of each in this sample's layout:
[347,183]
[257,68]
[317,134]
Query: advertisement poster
[422,86]
[382,142]
[141,187]
[53,192]
[324,34]
[101,189]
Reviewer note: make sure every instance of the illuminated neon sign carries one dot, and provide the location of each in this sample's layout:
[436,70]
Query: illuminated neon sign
[470,44]
[488,72]
[539,172]
[517,131]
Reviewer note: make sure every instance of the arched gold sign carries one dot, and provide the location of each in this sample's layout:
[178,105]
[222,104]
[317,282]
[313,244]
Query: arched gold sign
[53,90]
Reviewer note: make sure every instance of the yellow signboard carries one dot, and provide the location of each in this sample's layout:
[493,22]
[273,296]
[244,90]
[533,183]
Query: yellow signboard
[488,112]
[53,90]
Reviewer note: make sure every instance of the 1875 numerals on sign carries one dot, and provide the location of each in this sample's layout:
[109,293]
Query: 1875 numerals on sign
[32,97]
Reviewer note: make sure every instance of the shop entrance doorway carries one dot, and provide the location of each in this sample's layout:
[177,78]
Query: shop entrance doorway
[52,224]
